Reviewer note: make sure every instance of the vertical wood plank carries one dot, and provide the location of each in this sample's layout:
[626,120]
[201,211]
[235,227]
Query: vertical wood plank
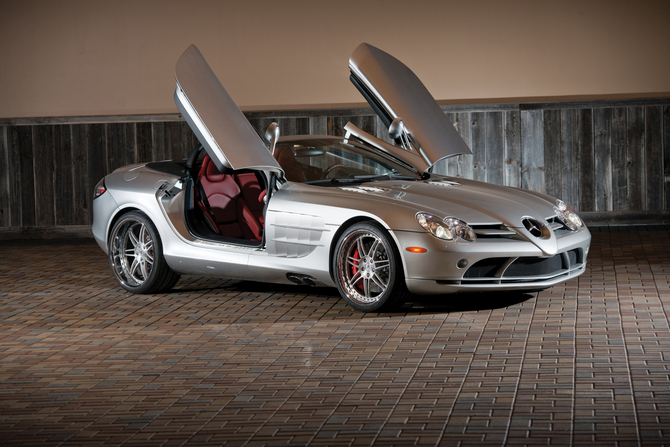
[318,125]
[478,139]
[130,155]
[302,126]
[169,137]
[666,156]
[80,181]
[619,162]
[63,181]
[23,142]
[635,159]
[144,142]
[570,158]
[587,179]
[464,162]
[512,156]
[451,163]
[287,125]
[43,151]
[653,158]
[552,154]
[187,138]
[5,209]
[177,141]
[602,122]
[117,145]
[335,125]
[532,149]
[494,148]
[14,166]
[158,142]
[96,144]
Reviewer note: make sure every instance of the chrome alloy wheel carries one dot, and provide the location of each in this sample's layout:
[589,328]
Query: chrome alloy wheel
[132,252]
[364,266]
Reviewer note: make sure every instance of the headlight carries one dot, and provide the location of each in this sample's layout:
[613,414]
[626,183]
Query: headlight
[461,229]
[447,229]
[568,216]
[435,226]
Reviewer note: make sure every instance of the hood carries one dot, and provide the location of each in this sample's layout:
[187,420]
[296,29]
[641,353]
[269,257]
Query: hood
[477,203]
[394,91]
[474,202]
[221,127]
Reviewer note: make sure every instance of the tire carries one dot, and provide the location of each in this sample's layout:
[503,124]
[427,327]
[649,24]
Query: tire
[368,270]
[136,255]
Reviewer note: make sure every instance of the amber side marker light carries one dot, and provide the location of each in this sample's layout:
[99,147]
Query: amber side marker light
[416,249]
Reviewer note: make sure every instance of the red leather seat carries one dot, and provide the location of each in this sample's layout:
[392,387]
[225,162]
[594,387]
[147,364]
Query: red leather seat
[227,211]
[251,191]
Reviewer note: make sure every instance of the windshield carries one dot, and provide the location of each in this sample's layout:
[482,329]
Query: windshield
[322,161]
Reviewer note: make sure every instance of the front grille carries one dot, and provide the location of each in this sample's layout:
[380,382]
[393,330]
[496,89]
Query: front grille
[534,267]
[523,269]
[492,231]
[486,268]
[498,230]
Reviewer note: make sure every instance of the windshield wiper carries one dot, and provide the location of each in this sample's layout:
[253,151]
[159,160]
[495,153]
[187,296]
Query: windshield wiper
[361,179]
[356,179]
[374,178]
[367,178]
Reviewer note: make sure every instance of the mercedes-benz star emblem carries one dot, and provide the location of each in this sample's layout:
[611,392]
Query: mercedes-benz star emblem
[534,226]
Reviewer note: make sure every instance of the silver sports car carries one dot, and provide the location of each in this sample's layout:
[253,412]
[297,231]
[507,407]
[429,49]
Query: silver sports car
[352,212]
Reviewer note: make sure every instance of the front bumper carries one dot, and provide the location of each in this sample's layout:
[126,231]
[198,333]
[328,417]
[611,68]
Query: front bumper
[497,264]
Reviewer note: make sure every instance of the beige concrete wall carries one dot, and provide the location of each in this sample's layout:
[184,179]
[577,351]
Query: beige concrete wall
[83,57]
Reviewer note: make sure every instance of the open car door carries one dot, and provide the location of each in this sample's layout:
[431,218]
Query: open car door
[396,93]
[221,127]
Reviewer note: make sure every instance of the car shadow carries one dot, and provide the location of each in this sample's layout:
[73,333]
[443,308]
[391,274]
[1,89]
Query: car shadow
[457,302]
[205,283]
[463,302]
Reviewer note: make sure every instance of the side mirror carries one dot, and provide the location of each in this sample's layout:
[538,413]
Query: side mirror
[271,136]
[395,129]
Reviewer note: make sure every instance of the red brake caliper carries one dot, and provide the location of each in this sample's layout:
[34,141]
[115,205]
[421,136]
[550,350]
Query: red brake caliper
[354,269]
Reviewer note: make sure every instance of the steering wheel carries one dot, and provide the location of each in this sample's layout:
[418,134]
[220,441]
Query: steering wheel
[332,167]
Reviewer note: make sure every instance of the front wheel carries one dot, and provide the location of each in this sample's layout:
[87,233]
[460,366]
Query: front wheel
[136,255]
[368,270]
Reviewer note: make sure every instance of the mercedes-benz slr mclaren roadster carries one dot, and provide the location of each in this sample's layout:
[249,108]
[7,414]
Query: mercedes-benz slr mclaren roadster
[352,212]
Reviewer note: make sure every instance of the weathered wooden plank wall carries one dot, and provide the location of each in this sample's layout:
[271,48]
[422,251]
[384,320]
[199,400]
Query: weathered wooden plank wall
[600,156]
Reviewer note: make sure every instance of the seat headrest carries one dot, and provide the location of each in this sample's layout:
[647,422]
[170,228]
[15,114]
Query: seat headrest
[209,170]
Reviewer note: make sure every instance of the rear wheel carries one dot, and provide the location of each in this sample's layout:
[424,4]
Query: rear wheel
[368,270]
[136,255]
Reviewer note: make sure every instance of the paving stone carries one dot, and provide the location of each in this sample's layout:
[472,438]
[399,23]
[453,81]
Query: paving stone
[219,362]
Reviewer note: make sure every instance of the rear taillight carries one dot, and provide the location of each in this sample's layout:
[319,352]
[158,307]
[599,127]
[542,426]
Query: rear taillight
[99,189]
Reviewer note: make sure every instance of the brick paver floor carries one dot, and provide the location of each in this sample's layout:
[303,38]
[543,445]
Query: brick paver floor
[229,363]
